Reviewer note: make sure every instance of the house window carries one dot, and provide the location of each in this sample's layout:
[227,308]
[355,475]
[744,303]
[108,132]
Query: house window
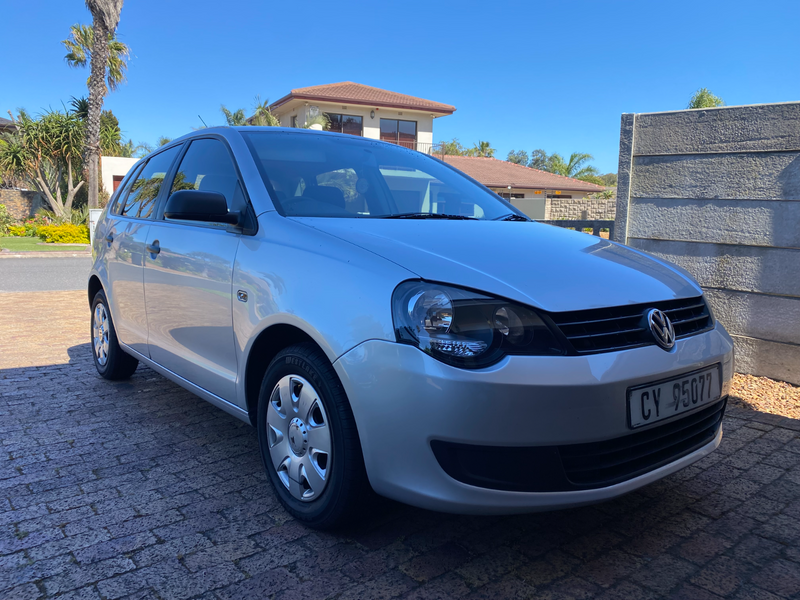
[403,133]
[512,196]
[345,124]
[562,196]
[294,120]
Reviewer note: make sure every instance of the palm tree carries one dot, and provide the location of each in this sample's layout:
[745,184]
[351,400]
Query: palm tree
[235,118]
[482,149]
[575,167]
[105,18]
[80,107]
[263,116]
[79,46]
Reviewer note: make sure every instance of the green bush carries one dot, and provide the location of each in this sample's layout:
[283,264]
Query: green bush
[64,234]
[16,230]
[33,223]
[5,219]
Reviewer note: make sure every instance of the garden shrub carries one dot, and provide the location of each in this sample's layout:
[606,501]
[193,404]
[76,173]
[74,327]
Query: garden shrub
[33,223]
[5,219]
[16,230]
[64,234]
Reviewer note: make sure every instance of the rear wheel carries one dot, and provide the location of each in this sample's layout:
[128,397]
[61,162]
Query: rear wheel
[109,359]
[308,439]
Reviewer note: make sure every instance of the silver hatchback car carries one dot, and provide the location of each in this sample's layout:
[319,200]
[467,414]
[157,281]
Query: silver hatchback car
[389,324]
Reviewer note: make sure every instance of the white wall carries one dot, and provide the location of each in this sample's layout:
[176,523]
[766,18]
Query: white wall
[114,165]
[532,204]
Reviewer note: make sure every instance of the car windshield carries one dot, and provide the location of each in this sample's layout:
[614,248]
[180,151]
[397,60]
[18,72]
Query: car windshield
[323,175]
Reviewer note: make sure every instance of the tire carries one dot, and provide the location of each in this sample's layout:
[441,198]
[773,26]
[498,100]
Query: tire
[109,359]
[306,429]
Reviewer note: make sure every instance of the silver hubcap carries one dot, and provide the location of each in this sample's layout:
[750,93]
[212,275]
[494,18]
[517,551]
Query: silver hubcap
[299,438]
[100,334]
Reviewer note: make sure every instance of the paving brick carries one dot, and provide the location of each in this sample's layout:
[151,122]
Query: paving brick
[435,562]
[664,573]
[627,590]
[609,568]
[263,585]
[176,505]
[781,577]
[489,566]
[702,547]
[723,575]
[82,575]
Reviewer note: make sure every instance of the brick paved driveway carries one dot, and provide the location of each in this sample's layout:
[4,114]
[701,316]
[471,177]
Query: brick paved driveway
[141,490]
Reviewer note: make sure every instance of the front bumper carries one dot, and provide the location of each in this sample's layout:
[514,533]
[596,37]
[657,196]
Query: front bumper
[403,399]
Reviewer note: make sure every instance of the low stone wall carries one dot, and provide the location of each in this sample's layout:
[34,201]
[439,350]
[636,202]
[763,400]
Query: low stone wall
[21,204]
[574,208]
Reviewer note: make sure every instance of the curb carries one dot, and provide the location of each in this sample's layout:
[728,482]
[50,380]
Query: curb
[50,254]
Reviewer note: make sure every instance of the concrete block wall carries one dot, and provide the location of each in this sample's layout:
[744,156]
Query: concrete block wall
[573,208]
[21,204]
[717,191]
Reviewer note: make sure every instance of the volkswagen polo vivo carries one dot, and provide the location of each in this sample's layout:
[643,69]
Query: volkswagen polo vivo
[389,324]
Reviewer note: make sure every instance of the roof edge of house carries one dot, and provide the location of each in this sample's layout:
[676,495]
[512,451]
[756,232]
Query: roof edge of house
[589,185]
[348,101]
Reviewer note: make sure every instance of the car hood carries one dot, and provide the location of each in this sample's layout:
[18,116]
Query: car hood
[544,266]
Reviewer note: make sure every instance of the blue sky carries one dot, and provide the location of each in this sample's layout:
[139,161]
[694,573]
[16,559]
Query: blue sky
[523,75]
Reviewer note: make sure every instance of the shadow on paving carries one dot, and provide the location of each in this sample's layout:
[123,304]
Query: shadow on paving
[140,488]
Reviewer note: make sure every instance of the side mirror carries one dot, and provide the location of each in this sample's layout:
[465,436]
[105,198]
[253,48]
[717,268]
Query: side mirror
[199,205]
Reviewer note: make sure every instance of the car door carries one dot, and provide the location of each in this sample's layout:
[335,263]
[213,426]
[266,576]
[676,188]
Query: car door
[188,277]
[125,237]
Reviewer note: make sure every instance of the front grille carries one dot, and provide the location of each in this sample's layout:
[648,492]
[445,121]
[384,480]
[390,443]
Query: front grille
[623,327]
[579,466]
[600,464]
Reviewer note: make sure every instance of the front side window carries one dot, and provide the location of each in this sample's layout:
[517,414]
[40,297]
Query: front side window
[208,166]
[144,191]
[325,176]
[119,201]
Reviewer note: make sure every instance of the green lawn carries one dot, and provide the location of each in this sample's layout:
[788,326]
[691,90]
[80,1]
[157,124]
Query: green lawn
[27,244]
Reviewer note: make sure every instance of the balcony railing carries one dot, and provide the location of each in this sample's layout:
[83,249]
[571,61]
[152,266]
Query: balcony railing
[424,147]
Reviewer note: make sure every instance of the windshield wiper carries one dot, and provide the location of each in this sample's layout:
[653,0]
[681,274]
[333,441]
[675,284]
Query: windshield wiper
[420,215]
[512,217]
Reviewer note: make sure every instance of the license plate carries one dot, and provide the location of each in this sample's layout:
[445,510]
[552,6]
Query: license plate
[654,402]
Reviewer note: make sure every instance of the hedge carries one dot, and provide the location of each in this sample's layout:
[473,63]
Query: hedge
[64,234]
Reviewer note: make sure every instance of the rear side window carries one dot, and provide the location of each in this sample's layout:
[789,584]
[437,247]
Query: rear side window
[207,166]
[144,191]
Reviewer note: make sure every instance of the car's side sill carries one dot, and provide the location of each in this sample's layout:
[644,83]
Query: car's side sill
[228,407]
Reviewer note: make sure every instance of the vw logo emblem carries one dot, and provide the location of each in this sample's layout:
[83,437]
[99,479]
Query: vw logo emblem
[661,328]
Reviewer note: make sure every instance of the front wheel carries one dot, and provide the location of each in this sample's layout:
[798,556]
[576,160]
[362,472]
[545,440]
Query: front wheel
[109,359]
[308,439]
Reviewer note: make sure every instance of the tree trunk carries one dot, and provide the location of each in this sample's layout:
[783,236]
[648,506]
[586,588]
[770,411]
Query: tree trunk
[44,189]
[97,89]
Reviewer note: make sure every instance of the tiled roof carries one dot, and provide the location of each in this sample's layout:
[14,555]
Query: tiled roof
[356,93]
[500,173]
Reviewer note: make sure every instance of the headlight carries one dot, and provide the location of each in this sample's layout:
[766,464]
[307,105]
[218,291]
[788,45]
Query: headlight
[465,328]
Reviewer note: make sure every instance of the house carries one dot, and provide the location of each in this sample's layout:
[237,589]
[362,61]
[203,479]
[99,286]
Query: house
[366,111]
[6,125]
[405,120]
[113,170]
[538,194]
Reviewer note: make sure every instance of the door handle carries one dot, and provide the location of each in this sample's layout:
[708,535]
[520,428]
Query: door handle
[153,248]
[110,237]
